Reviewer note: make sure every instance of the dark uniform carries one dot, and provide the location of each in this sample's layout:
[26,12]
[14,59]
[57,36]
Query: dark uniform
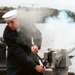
[20,59]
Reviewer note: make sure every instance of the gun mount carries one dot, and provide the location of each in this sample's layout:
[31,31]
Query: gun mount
[58,60]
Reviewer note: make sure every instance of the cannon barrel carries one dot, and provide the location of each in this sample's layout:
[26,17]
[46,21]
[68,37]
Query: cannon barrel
[70,49]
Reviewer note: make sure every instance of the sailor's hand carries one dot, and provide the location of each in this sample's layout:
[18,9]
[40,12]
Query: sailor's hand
[34,49]
[39,68]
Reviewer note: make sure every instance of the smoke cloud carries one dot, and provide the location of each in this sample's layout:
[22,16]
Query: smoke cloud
[28,17]
[59,31]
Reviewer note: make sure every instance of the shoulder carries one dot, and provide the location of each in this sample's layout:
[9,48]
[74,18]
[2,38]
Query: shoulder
[7,30]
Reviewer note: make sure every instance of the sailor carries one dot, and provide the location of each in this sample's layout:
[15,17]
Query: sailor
[21,57]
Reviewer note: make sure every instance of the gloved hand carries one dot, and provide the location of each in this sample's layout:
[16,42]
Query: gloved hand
[39,68]
[34,49]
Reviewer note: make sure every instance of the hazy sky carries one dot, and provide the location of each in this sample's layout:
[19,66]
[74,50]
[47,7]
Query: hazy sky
[59,4]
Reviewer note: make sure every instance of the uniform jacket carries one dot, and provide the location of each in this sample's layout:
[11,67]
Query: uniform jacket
[20,59]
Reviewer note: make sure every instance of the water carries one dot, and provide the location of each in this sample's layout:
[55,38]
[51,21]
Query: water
[2,26]
[48,39]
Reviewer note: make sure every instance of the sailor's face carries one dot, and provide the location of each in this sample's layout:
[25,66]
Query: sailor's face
[13,24]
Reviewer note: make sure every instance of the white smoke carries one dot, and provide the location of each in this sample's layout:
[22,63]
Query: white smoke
[28,17]
[63,28]
[58,31]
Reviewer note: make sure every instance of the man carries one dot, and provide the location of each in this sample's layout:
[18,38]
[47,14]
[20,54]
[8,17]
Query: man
[21,57]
